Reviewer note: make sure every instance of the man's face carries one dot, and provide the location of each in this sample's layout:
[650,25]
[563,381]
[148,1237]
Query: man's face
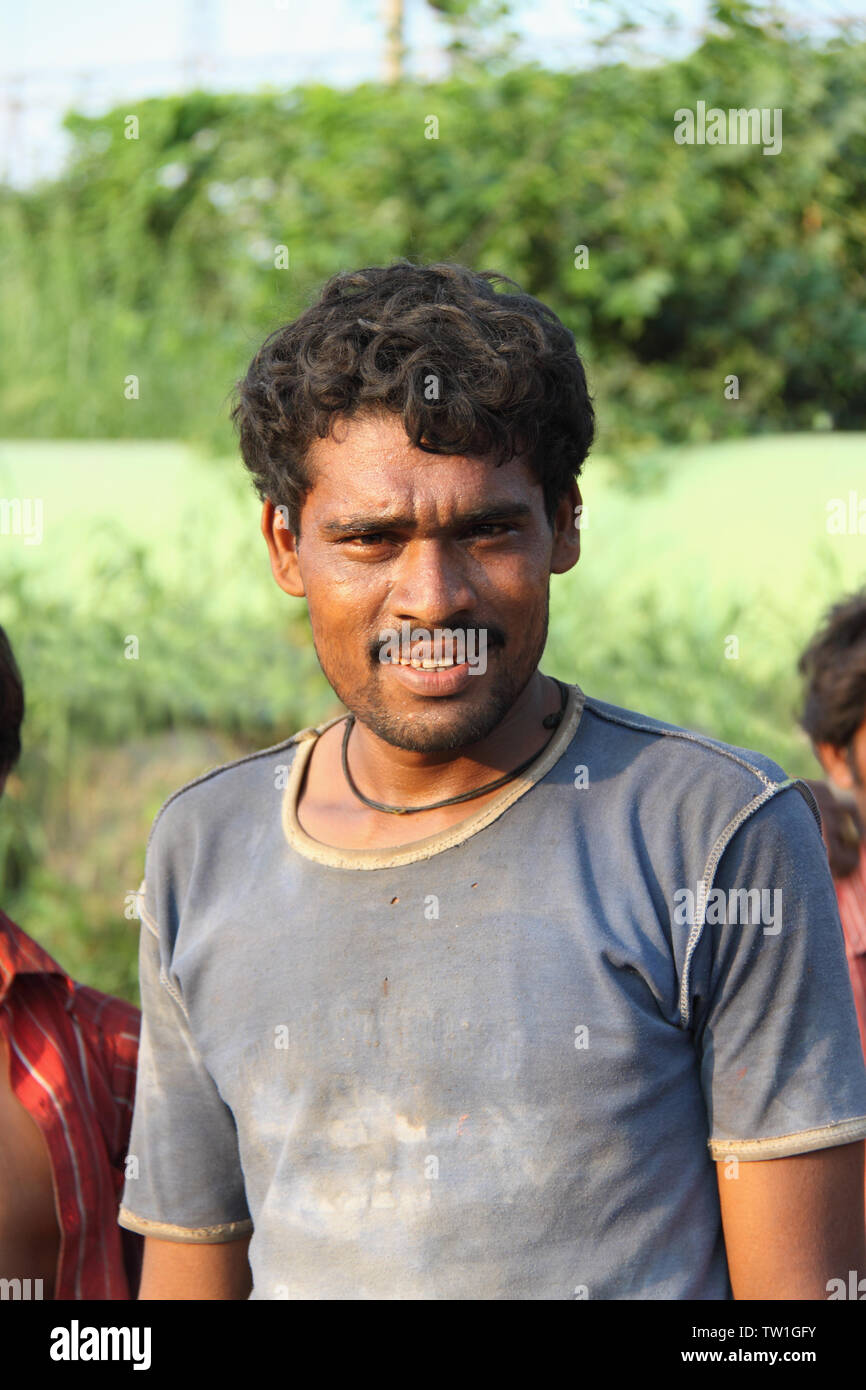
[392,536]
[848,768]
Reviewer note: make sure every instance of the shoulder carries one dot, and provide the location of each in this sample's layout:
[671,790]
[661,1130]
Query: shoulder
[206,835]
[682,796]
[687,746]
[658,756]
[227,791]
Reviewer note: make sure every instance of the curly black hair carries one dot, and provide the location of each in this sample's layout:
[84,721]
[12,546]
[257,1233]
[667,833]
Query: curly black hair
[11,706]
[834,664]
[469,370]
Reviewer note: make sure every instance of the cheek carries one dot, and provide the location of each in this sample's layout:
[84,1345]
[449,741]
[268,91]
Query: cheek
[340,622]
[532,563]
[510,573]
[523,588]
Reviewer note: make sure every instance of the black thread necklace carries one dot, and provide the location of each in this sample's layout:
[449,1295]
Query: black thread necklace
[550,721]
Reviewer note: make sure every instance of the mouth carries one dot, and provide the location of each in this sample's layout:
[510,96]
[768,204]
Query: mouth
[430,675]
[424,663]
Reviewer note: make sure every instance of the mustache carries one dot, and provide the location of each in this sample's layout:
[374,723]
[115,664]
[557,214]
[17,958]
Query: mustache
[495,636]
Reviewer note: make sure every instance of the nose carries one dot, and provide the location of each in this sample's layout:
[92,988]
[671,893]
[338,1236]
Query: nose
[431,584]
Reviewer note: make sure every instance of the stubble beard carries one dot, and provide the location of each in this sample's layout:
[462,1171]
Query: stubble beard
[445,725]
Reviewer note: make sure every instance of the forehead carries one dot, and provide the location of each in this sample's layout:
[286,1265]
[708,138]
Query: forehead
[370,464]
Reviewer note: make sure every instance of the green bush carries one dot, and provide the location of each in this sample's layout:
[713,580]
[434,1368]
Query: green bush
[154,256]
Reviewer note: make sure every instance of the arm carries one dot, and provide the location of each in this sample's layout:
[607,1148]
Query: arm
[199,1270]
[184,1186]
[792,1224]
[781,1064]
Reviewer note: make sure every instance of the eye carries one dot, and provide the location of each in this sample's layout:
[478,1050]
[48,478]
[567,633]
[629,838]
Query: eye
[488,528]
[367,539]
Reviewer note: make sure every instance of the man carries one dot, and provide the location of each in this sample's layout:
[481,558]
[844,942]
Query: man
[428,1010]
[834,717]
[67,1081]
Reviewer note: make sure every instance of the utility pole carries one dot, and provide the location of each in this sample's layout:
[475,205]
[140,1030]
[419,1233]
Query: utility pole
[395,48]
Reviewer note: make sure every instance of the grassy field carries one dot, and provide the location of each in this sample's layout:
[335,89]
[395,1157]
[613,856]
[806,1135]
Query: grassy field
[721,524]
[722,542]
[195,518]
[728,540]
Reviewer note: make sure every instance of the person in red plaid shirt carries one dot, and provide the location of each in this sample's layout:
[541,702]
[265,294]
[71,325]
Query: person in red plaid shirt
[67,1083]
[834,717]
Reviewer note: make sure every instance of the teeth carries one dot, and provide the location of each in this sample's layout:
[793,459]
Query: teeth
[425,664]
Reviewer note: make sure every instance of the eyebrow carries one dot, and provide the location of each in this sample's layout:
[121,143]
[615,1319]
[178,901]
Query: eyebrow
[395,521]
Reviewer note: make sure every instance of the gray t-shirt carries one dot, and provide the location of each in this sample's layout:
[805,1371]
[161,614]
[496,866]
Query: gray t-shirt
[500,1062]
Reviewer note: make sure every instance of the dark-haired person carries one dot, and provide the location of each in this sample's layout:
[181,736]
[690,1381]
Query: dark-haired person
[67,1080]
[427,1011]
[834,717]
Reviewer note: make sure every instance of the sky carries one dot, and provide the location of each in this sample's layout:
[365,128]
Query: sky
[92,54]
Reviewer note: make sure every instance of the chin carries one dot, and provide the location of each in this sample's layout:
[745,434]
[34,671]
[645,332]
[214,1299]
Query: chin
[436,730]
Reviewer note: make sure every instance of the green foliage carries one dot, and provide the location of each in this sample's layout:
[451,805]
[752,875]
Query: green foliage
[94,770]
[667,573]
[477,38]
[155,256]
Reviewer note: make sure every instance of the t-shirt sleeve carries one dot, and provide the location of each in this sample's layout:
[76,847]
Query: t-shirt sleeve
[184,1178]
[775,1027]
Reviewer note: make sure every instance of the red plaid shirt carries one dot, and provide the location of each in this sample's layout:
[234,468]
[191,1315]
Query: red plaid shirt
[72,1058]
[851,897]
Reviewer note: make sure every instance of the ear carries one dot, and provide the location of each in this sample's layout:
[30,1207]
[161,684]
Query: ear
[566,531]
[282,550]
[835,764]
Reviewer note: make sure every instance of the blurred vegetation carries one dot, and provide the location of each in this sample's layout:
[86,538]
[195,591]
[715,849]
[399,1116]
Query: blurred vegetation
[155,257]
[106,739]
[667,574]
[704,261]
